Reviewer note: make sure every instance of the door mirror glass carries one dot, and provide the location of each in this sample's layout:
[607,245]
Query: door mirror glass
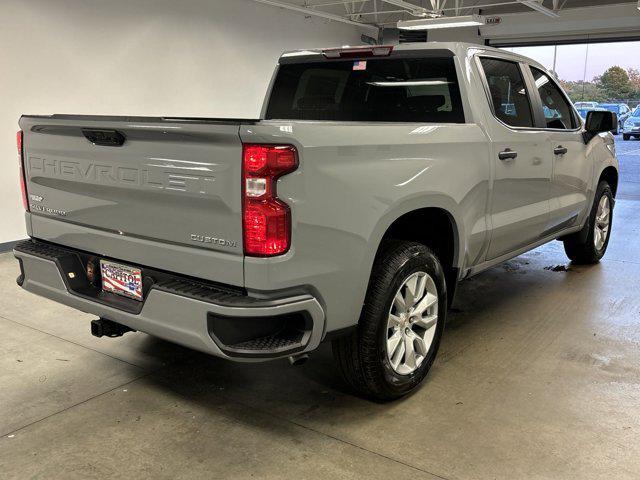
[598,121]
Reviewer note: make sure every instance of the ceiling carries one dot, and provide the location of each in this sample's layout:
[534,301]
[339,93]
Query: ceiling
[388,12]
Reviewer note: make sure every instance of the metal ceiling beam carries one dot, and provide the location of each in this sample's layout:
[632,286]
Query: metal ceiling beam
[317,13]
[411,8]
[537,6]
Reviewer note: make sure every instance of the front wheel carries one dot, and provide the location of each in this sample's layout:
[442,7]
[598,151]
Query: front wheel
[401,324]
[626,137]
[589,245]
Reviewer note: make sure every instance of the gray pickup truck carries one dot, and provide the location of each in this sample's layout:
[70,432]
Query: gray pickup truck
[375,179]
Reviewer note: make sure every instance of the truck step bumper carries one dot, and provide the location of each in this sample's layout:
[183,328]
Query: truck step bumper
[221,321]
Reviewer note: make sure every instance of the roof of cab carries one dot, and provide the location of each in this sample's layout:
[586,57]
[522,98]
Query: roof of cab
[460,49]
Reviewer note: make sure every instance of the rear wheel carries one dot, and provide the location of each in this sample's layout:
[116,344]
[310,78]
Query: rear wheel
[590,245]
[626,137]
[401,324]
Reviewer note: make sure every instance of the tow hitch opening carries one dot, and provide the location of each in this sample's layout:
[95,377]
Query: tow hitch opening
[108,328]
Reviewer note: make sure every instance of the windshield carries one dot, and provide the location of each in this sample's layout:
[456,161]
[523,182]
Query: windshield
[375,90]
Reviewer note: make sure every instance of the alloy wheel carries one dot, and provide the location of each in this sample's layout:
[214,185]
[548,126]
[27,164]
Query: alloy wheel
[602,223]
[411,325]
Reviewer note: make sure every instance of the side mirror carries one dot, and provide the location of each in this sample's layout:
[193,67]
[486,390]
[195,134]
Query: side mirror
[598,122]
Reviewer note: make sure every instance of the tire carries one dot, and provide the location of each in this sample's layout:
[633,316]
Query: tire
[586,247]
[626,137]
[362,355]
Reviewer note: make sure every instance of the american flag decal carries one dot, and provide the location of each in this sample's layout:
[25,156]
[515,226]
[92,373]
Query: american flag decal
[360,65]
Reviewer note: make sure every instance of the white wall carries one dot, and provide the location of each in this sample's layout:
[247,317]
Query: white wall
[211,58]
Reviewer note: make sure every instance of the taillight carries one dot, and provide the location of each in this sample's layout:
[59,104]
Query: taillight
[266,219]
[23,183]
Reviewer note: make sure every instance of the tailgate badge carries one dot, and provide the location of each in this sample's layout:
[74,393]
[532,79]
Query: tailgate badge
[213,240]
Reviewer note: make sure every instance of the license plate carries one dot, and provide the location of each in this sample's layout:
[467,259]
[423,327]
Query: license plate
[121,279]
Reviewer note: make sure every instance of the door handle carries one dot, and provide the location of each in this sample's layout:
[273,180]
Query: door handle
[105,138]
[560,150]
[508,154]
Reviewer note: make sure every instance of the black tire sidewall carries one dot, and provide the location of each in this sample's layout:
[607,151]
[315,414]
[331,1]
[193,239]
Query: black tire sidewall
[423,261]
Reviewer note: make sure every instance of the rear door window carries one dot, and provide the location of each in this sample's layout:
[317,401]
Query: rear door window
[423,90]
[509,95]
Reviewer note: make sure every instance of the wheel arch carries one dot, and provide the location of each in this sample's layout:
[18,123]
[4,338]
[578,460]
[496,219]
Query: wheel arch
[611,176]
[409,226]
[406,223]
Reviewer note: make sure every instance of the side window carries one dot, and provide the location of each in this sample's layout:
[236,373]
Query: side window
[509,95]
[557,110]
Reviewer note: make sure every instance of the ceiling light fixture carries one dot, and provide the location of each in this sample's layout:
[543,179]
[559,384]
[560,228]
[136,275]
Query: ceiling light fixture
[441,22]
[539,7]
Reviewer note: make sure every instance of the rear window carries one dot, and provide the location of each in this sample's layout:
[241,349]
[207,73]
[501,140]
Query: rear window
[373,90]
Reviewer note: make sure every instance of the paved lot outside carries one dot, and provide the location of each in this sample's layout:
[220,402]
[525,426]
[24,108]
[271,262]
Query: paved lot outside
[629,157]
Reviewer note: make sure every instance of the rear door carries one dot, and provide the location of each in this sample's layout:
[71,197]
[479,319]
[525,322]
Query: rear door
[572,172]
[522,167]
[161,193]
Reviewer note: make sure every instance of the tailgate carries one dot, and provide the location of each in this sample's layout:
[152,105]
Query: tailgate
[154,192]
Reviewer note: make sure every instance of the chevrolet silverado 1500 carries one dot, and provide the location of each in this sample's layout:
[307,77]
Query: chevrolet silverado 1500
[375,179]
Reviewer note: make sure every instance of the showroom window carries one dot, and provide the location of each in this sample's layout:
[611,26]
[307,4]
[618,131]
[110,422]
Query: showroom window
[557,112]
[594,75]
[508,91]
[382,90]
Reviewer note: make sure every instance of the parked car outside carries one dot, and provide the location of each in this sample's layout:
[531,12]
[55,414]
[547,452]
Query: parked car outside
[620,109]
[587,105]
[583,111]
[631,126]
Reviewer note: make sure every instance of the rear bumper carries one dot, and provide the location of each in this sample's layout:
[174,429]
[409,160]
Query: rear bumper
[214,319]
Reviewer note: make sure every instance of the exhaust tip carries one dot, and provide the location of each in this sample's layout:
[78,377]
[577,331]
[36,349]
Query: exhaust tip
[297,360]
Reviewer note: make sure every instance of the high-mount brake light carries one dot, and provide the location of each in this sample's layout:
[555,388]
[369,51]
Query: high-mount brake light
[266,219]
[359,52]
[23,183]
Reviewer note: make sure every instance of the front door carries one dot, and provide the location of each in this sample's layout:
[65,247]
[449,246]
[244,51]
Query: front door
[571,170]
